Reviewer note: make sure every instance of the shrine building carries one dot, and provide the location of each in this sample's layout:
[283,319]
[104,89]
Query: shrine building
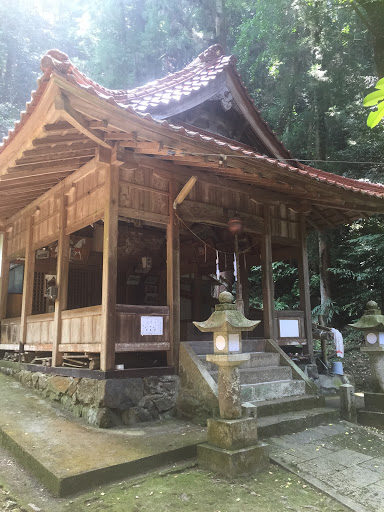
[122,212]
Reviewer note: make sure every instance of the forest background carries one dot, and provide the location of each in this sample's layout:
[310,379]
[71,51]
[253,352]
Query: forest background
[307,63]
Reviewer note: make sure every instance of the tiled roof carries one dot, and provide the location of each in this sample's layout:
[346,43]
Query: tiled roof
[142,100]
[146,98]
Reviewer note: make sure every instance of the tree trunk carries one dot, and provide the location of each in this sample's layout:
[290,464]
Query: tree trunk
[220,32]
[325,288]
[371,13]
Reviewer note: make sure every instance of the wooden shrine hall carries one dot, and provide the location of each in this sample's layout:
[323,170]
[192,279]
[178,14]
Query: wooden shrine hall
[114,211]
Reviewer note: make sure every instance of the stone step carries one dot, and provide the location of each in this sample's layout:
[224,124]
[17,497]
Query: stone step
[271,390]
[257,375]
[288,404]
[291,422]
[257,360]
[206,347]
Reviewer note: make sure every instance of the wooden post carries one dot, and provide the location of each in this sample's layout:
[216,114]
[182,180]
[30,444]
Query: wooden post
[4,278]
[239,285]
[108,310]
[173,280]
[196,298]
[62,270]
[267,277]
[305,296]
[29,271]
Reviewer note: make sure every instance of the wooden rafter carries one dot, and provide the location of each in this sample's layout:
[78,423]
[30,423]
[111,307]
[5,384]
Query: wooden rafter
[62,105]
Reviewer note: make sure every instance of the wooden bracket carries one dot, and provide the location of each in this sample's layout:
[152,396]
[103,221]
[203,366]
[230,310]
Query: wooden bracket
[78,121]
[184,191]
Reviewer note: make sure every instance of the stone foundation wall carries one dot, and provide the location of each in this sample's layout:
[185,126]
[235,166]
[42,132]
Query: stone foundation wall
[106,403]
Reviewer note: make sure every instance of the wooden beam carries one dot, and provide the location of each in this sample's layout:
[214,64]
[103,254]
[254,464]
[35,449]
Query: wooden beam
[59,149]
[324,218]
[62,271]
[267,277]
[195,211]
[58,127]
[118,119]
[54,157]
[72,163]
[184,191]
[4,277]
[77,120]
[108,314]
[29,272]
[173,281]
[305,295]
[59,140]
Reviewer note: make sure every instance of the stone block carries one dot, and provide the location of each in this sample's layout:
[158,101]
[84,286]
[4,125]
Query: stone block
[122,394]
[89,391]
[347,403]
[72,388]
[26,379]
[58,385]
[164,403]
[249,410]
[233,463]
[135,415]
[371,418]
[232,434]
[374,401]
[43,382]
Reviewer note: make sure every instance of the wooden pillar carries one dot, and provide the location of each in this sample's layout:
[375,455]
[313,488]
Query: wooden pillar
[29,271]
[108,320]
[173,280]
[62,270]
[196,298]
[305,296]
[267,277]
[4,278]
[244,273]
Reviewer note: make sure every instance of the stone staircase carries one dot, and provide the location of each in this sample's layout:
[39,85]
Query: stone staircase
[284,403]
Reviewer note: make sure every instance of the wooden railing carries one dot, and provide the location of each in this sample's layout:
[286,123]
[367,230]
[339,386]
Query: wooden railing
[39,333]
[81,330]
[138,329]
[10,334]
[142,328]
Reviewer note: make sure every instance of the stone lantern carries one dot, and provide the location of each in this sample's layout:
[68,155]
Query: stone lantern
[233,448]
[372,325]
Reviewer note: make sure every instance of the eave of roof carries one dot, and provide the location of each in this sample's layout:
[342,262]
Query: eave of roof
[55,62]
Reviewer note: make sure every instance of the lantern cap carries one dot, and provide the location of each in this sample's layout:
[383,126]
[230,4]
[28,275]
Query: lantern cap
[372,319]
[226,298]
[226,317]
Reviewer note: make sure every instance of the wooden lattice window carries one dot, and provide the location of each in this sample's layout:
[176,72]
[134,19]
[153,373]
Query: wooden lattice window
[78,289]
[38,299]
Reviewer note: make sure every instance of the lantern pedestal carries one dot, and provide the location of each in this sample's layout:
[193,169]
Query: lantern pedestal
[376,360]
[232,449]
[372,325]
[373,413]
[229,383]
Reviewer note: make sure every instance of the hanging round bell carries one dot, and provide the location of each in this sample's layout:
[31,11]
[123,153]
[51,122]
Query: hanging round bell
[235,226]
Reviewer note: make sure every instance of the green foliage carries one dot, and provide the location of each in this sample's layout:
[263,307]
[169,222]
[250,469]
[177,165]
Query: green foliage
[285,276]
[375,98]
